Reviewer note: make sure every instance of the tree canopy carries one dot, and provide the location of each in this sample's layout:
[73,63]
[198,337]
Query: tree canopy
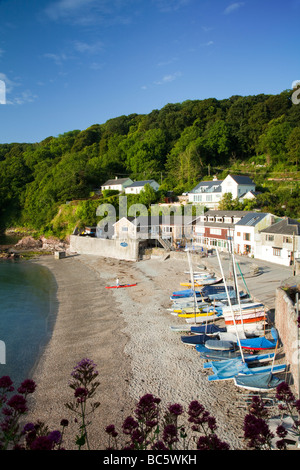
[178,145]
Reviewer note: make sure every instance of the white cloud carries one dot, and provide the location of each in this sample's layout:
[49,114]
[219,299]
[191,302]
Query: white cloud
[84,47]
[89,12]
[11,97]
[57,58]
[233,7]
[166,6]
[66,8]
[168,78]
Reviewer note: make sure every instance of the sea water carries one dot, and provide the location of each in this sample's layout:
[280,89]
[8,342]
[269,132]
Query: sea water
[27,315]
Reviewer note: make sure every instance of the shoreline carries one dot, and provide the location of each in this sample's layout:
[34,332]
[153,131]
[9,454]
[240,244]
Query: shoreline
[85,321]
[126,332]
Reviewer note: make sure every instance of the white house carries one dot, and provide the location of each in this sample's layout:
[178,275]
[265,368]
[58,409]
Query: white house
[246,233]
[249,195]
[137,186]
[117,184]
[237,185]
[209,193]
[280,242]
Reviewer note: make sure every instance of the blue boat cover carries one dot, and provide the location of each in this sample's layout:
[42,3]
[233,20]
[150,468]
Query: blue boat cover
[219,344]
[208,329]
[229,369]
[186,293]
[260,342]
[264,381]
[195,339]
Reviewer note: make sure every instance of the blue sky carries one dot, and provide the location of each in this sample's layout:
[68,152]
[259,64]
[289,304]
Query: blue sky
[68,64]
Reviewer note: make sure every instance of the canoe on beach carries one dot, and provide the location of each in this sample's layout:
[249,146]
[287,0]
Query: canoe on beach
[118,287]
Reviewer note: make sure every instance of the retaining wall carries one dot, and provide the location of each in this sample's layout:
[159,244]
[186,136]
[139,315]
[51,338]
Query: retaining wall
[105,247]
[287,326]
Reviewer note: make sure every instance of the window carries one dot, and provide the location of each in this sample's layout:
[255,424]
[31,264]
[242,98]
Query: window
[270,238]
[216,231]
[209,198]
[276,251]
[287,240]
[246,236]
[238,234]
[124,229]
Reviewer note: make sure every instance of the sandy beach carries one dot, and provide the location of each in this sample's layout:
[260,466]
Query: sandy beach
[126,332]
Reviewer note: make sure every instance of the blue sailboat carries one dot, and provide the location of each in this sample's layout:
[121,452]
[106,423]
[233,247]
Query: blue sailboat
[224,370]
[210,329]
[262,382]
[260,342]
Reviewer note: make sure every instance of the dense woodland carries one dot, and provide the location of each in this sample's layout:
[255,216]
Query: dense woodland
[178,146]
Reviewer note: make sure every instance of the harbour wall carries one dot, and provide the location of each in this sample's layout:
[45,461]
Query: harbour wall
[108,248]
[288,330]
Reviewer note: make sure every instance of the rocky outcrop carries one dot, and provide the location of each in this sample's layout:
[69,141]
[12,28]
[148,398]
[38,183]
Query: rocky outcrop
[41,244]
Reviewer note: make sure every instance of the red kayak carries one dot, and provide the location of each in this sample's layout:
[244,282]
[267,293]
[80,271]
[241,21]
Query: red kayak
[117,287]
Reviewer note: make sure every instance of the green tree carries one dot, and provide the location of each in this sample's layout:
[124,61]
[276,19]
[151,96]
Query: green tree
[293,146]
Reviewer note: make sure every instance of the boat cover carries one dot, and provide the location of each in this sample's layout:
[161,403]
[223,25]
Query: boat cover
[258,382]
[260,342]
[208,329]
[239,367]
[195,339]
[220,345]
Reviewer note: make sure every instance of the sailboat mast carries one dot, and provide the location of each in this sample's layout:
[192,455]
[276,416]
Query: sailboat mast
[229,302]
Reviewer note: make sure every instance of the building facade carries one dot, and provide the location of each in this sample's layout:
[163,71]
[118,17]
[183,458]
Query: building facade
[137,186]
[280,242]
[209,193]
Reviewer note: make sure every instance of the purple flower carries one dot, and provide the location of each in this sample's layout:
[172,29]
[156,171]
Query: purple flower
[176,409]
[170,434]
[18,403]
[6,383]
[284,393]
[211,442]
[55,436]
[110,429]
[159,446]
[64,423]
[81,394]
[42,443]
[28,386]
[129,425]
[257,431]
[29,427]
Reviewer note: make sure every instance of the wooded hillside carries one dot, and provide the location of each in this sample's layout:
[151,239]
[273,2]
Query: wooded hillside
[178,146]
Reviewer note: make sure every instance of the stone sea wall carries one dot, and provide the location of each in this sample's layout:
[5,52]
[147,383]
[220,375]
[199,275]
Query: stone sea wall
[287,326]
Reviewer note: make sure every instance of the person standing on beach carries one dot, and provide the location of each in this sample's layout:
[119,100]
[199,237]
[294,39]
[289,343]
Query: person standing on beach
[117,282]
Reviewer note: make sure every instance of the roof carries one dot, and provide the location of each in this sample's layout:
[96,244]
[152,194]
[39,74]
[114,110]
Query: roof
[286,226]
[141,183]
[214,186]
[252,218]
[144,220]
[208,187]
[116,181]
[225,213]
[239,179]
[254,193]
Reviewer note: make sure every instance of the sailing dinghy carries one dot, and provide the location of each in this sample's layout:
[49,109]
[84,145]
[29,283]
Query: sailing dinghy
[262,382]
[241,368]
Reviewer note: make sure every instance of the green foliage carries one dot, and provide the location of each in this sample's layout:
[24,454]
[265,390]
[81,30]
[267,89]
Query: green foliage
[179,145]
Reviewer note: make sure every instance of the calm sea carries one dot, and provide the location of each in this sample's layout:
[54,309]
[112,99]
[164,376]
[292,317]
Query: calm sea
[27,315]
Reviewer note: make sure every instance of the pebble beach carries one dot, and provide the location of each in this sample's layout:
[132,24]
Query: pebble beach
[126,332]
